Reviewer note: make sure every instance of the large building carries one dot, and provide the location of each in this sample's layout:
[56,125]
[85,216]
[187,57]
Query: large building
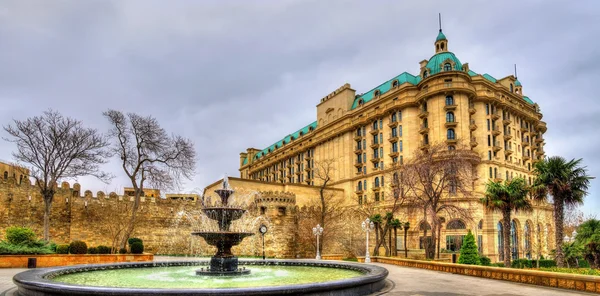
[446,102]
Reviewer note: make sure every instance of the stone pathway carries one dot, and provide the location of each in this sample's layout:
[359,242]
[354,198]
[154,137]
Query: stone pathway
[406,281]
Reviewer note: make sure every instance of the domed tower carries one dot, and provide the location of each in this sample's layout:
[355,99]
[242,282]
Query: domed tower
[442,61]
[441,43]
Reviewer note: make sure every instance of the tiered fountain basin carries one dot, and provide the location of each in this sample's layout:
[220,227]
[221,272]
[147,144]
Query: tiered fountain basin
[269,277]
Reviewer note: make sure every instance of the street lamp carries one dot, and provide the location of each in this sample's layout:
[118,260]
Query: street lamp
[317,231]
[367,227]
[263,229]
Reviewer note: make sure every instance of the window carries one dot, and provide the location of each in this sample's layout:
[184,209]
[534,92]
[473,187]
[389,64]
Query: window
[380,123]
[527,235]
[424,226]
[399,115]
[488,125]
[511,87]
[425,139]
[449,100]
[394,132]
[491,173]
[400,145]
[395,147]
[263,210]
[489,155]
[450,117]
[400,131]
[361,102]
[450,134]
[281,211]
[454,242]
[377,93]
[365,184]
[395,83]
[456,224]
[376,182]
[376,196]
[514,240]
[487,109]
[425,74]
[394,117]
[5,175]
[375,125]
[447,67]
[424,107]
[359,188]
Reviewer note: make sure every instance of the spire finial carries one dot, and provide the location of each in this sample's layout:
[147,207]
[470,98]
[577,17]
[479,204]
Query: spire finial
[515,71]
[440,20]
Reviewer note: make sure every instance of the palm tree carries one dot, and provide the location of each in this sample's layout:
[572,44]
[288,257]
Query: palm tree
[396,224]
[588,239]
[377,220]
[505,198]
[568,183]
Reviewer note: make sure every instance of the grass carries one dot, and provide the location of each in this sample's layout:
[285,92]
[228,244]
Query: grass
[584,271]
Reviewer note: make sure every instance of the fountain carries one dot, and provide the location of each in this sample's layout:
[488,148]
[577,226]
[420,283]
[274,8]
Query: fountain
[268,277]
[223,262]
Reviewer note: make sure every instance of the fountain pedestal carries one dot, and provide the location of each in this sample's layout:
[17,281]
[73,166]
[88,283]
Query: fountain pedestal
[223,262]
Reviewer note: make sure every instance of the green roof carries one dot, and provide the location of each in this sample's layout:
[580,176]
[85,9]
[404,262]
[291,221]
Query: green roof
[436,61]
[489,77]
[440,36]
[528,100]
[472,73]
[245,162]
[517,83]
[287,139]
[385,87]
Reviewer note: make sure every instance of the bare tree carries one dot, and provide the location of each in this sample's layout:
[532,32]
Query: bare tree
[55,148]
[149,155]
[431,177]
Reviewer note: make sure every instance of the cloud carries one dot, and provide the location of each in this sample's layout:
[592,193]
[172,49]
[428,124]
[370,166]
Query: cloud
[235,74]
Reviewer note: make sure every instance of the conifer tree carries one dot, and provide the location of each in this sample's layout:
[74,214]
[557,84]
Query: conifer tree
[468,251]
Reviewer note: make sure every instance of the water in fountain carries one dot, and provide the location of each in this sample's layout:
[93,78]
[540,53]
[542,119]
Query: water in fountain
[223,262]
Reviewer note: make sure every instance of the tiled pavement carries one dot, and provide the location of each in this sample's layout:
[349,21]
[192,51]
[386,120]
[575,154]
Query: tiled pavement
[408,281]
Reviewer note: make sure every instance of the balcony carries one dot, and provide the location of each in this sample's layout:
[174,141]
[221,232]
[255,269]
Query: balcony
[506,121]
[357,137]
[525,143]
[496,131]
[424,129]
[472,109]
[507,135]
[451,141]
[539,140]
[393,124]
[450,124]
[497,146]
[307,168]
[375,144]
[357,164]
[541,126]
[473,142]
[423,114]
[359,172]
[374,131]
[495,115]
[393,138]
[375,187]
[308,158]
[375,158]
[524,129]
[359,191]
[394,153]
[424,145]
[298,172]
[358,150]
[526,157]
[472,125]
[450,107]
[508,151]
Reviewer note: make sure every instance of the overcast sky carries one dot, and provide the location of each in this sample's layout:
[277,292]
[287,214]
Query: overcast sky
[237,74]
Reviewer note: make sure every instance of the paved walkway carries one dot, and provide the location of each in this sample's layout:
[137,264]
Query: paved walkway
[406,281]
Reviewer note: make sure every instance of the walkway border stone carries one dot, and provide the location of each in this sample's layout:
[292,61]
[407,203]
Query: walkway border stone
[577,282]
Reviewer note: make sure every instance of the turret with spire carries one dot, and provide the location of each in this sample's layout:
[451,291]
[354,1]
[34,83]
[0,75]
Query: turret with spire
[441,43]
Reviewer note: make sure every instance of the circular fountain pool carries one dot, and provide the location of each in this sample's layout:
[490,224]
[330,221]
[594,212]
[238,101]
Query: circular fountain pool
[271,277]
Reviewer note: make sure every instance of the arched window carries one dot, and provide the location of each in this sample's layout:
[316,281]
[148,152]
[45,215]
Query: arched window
[450,134]
[514,240]
[511,87]
[377,93]
[527,234]
[361,102]
[395,83]
[447,67]
[375,124]
[425,74]
[359,185]
[5,175]
[449,100]
[456,224]
[449,116]
[394,117]
[376,181]
[424,226]
[500,241]
[426,139]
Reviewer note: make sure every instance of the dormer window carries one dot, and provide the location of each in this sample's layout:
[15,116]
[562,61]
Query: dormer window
[377,93]
[425,74]
[395,83]
[447,67]
[361,102]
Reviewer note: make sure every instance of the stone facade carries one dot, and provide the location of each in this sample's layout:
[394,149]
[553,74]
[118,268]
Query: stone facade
[447,103]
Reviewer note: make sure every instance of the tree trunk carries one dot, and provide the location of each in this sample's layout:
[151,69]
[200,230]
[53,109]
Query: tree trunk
[405,244]
[506,237]
[377,242]
[131,223]
[395,241]
[48,197]
[438,240]
[558,224]
[390,243]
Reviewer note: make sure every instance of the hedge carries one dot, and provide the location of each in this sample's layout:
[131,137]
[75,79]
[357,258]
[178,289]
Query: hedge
[78,247]
[103,250]
[137,248]
[525,263]
[62,249]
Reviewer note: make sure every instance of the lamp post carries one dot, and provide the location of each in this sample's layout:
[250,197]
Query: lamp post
[263,229]
[367,227]
[317,231]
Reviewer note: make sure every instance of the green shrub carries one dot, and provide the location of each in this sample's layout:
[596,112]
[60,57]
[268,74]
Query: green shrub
[468,251]
[524,263]
[62,249]
[103,250]
[10,249]
[498,264]
[20,236]
[583,263]
[132,240]
[521,263]
[122,251]
[485,261]
[78,247]
[137,248]
[92,250]
[585,271]
[52,246]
